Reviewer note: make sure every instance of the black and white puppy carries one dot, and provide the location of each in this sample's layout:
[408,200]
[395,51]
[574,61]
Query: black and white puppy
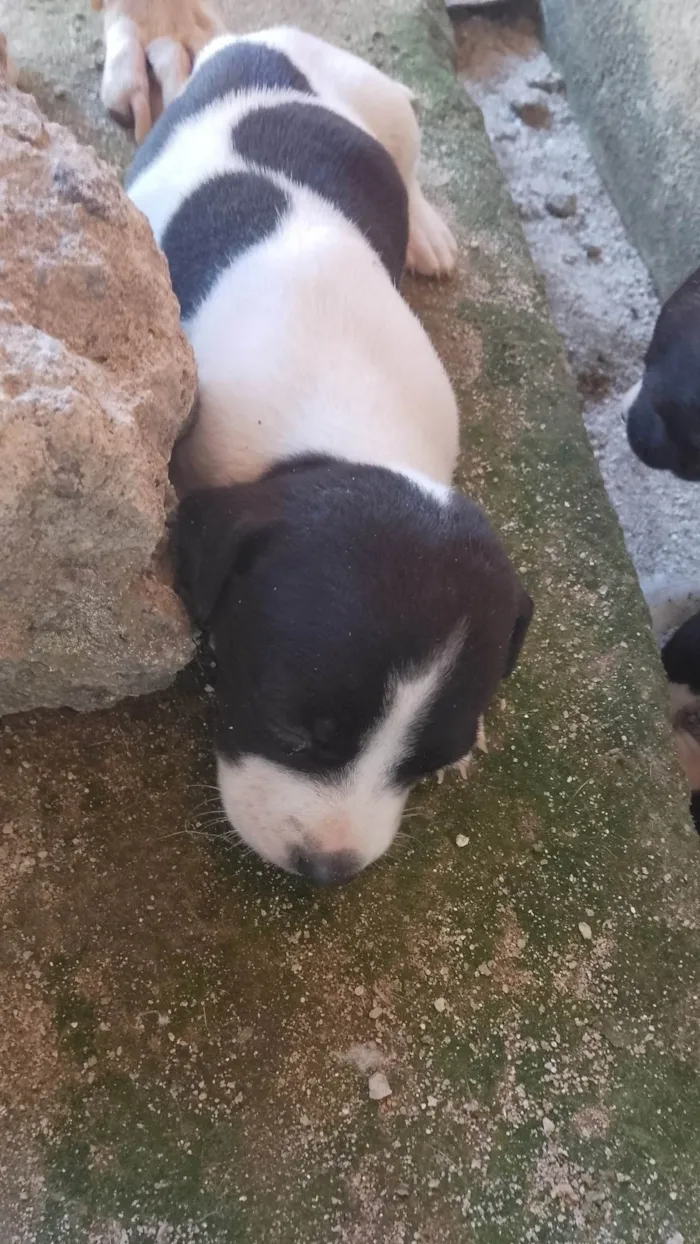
[663,410]
[361,610]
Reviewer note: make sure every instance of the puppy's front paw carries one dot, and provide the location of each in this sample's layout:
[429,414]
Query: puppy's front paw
[463,766]
[149,49]
[125,89]
[432,249]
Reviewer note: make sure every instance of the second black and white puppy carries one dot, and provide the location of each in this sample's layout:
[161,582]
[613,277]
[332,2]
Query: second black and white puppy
[663,410]
[362,611]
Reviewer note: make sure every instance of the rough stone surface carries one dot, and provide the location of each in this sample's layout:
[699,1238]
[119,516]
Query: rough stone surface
[184,1054]
[632,70]
[97,382]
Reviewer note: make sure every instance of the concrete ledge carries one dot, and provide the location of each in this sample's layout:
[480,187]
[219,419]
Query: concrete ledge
[633,75]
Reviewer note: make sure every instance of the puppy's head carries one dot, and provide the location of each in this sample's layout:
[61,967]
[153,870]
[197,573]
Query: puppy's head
[663,421]
[361,625]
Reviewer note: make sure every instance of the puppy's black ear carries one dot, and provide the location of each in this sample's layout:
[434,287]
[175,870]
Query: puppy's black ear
[217,533]
[522,622]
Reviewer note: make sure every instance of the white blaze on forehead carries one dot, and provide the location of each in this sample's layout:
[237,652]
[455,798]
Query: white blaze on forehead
[275,809]
[406,706]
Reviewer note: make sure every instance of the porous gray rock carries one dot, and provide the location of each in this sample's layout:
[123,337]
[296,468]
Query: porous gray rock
[97,381]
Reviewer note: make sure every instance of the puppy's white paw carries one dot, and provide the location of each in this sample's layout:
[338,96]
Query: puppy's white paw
[125,89]
[462,767]
[171,65]
[464,764]
[432,249]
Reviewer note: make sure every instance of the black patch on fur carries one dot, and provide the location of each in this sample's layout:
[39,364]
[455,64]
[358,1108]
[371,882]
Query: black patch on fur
[681,655]
[319,149]
[663,425]
[321,582]
[237,68]
[220,220]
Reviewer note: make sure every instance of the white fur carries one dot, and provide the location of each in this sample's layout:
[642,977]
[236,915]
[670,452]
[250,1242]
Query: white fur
[304,344]
[125,89]
[275,810]
[630,397]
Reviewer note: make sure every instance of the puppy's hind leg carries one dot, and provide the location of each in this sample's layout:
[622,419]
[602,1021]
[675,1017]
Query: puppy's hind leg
[385,108]
[389,111]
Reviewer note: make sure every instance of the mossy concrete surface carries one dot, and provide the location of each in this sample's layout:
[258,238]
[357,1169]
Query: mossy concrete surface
[187,1037]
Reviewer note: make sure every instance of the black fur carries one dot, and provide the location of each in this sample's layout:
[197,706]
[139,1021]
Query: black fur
[323,579]
[681,655]
[236,68]
[220,220]
[681,660]
[319,149]
[663,425]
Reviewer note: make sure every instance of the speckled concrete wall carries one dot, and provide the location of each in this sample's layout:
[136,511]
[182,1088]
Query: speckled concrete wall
[633,75]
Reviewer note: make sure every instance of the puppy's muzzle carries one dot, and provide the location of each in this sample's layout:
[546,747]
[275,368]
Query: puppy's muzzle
[650,442]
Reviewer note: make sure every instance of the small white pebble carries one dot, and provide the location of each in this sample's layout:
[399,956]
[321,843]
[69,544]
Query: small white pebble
[462,840]
[379,1087]
[433,1183]
[432,1101]
[547,1126]
[359,991]
[483,969]
[439,1004]
[585,931]
[375,1012]
[676,1238]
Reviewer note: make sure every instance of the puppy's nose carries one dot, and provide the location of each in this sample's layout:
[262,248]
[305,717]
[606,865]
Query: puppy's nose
[646,433]
[326,867]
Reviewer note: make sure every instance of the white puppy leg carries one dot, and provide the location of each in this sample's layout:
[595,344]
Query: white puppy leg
[171,66]
[125,89]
